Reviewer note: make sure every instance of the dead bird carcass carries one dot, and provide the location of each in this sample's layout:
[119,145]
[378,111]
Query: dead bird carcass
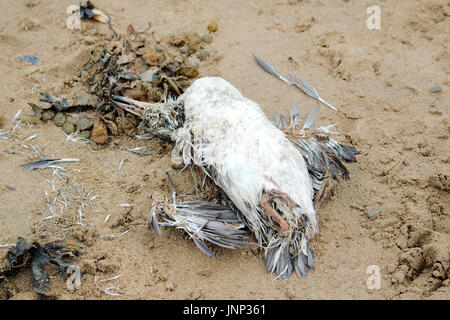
[269,175]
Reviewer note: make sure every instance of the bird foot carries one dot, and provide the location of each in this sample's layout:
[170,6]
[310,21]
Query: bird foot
[266,203]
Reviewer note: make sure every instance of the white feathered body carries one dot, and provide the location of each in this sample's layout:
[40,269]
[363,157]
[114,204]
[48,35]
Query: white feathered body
[267,176]
[230,134]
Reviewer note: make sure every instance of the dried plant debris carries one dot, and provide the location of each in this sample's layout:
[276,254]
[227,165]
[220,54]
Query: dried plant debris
[25,254]
[136,65]
[292,80]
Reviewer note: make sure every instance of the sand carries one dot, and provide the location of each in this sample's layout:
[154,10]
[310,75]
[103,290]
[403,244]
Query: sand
[379,79]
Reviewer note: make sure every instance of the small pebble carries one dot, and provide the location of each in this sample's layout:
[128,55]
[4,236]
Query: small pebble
[178,59]
[99,132]
[193,45]
[435,89]
[213,26]
[203,55]
[68,127]
[59,119]
[84,124]
[372,212]
[207,38]
[176,41]
[84,99]
[47,115]
[191,35]
[85,134]
[189,71]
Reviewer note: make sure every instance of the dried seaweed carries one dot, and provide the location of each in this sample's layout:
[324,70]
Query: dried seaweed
[25,254]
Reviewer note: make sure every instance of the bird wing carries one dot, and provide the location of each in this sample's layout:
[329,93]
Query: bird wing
[322,153]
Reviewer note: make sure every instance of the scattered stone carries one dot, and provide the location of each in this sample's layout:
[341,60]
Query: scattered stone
[59,119]
[68,127]
[85,134]
[193,41]
[176,41]
[372,212]
[84,124]
[48,115]
[213,26]
[189,71]
[207,38]
[203,55]
[435,89]
[99,132]
[84,99]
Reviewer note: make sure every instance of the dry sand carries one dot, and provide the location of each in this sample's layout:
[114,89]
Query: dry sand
[379,80]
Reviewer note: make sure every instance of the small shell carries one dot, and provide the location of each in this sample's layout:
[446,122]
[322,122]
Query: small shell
[100,16]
